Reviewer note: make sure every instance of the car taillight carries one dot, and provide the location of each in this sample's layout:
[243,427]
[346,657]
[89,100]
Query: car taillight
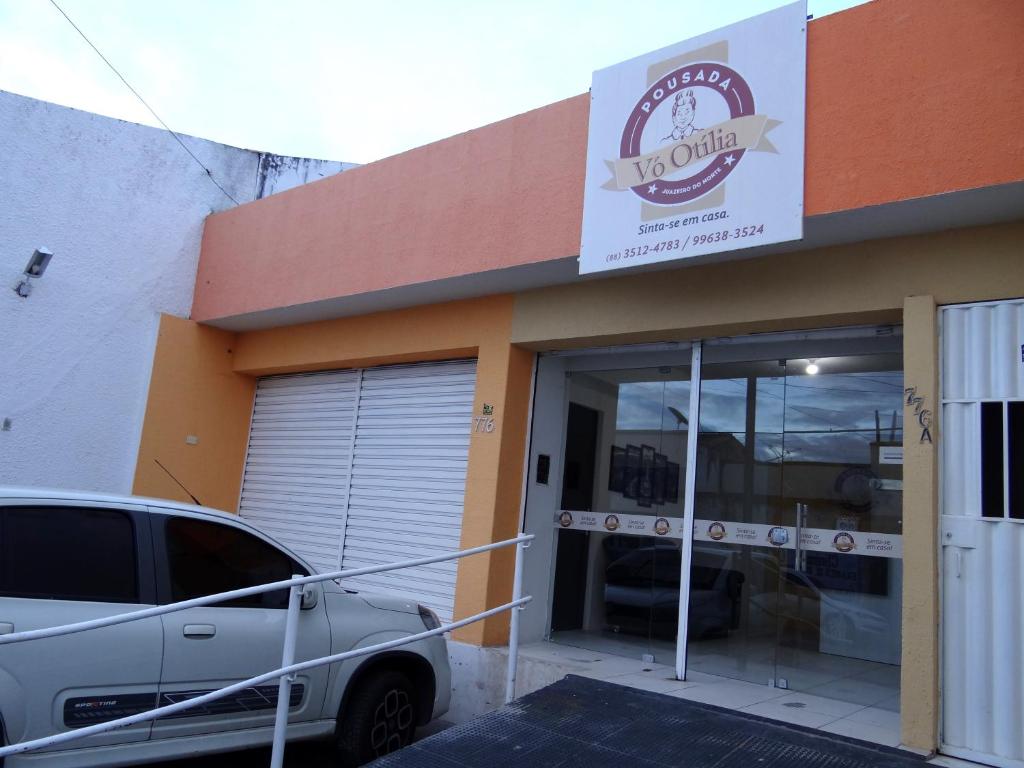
[430,620]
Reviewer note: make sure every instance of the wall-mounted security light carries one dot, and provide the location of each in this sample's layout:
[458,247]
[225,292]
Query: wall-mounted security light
[33,270]
[812,366]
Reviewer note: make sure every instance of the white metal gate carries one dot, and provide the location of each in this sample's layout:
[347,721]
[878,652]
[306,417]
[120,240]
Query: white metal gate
[982,532]
[356,468]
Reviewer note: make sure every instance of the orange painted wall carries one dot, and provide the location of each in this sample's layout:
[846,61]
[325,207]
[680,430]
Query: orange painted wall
[195,391]
[905,99]
[507,194]
[909,98]
[433,332]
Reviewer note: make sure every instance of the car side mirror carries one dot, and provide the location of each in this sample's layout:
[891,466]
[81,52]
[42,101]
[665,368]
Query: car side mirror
[310,597]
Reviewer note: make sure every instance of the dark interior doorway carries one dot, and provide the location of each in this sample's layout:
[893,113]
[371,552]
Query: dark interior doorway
[577,494]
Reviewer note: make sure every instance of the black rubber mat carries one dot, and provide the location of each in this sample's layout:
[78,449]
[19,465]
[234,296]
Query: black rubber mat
[594,724]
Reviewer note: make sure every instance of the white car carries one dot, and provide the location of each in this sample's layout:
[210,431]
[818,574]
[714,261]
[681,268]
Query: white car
[69,557]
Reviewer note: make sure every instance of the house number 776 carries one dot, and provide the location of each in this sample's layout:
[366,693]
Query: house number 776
[483,423]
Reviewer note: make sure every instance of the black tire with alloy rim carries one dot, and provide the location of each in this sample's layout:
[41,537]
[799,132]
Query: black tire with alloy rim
[378,719]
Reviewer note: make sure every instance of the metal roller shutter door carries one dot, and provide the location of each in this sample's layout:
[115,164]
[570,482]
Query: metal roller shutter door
[409,477]
[370,464]
[297,471]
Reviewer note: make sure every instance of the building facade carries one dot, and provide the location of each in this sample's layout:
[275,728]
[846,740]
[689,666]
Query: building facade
[403,358]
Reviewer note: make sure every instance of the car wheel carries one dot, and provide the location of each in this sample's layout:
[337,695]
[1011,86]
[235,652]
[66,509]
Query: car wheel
[379,718]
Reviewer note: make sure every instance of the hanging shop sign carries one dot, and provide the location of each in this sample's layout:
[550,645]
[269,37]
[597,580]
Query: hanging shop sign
[698,148]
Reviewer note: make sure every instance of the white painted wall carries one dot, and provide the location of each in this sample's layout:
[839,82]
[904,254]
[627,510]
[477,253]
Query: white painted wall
[122,207]
[278,173]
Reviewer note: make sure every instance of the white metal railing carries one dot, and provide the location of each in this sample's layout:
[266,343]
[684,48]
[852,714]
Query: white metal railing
[289,668]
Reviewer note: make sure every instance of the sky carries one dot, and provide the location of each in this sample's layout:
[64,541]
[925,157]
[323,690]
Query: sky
[335,79]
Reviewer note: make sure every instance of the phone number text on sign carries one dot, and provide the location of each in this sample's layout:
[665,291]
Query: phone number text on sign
[639,251]
[642,250]
[726,234]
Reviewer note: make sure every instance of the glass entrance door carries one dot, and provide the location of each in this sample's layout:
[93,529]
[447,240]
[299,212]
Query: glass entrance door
[734,573]
[619,525]
[840,587]
[796,570]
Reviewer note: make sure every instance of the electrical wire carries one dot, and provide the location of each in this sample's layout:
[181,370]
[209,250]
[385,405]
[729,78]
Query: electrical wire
[177,138]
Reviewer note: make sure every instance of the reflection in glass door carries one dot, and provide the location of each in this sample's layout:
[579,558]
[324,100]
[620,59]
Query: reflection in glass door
[619,538]
[737,502]
[796,570]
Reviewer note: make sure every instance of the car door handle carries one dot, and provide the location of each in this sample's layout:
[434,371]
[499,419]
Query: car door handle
[6,628]
[198,631]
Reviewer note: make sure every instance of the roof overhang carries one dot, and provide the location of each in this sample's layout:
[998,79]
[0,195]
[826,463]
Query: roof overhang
[953,210]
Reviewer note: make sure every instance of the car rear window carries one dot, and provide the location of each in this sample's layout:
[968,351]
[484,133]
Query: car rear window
[68,553]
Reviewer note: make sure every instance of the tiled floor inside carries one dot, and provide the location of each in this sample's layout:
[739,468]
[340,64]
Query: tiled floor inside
[862,698]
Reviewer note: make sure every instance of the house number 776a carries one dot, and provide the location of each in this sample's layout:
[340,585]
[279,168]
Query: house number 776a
[483,423]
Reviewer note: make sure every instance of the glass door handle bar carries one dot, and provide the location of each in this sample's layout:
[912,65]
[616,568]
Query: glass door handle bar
[798,559]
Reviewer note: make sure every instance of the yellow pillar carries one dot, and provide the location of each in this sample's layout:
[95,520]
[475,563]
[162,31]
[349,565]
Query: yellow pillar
[919,683]
[494,481]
